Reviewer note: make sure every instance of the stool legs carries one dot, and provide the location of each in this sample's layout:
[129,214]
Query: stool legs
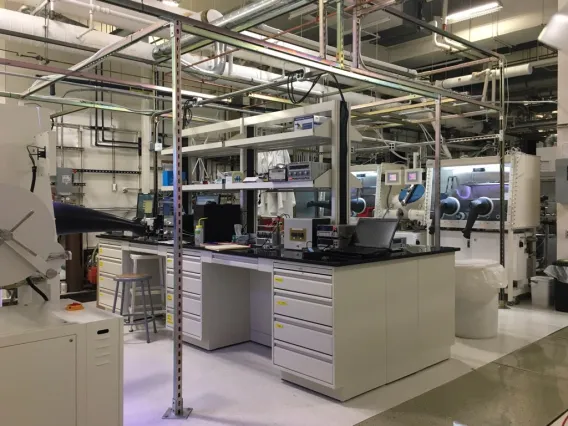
[115,297]
[145,312]
[151,306]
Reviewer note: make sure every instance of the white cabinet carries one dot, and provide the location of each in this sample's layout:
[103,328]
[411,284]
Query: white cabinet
[308,308]
[303,282]
[191,281]
[191,303]
[304,334]
[304,361]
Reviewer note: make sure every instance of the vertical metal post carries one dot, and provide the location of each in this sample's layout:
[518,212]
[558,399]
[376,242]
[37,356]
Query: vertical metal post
[356,24]
[438,143]
[176,411]
[340,55]
[322,29]
[502,295]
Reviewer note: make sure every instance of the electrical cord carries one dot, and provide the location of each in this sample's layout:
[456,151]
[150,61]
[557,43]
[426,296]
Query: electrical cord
[388,203]
[36,289]
[187,114]
[290,87]
[34,169]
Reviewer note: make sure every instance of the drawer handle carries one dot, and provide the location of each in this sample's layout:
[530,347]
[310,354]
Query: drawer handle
[277,325]
[281,303]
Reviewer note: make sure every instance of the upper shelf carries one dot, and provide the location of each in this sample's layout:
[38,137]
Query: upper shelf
[322,182]
[318,135]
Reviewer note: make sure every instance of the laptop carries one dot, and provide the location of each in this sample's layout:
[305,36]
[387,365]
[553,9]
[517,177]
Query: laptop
[372,237]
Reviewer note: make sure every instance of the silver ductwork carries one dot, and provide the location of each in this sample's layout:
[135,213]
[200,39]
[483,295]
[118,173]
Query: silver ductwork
[230,20]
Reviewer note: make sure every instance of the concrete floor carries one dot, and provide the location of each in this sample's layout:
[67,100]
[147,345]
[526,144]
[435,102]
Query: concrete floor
[239,386]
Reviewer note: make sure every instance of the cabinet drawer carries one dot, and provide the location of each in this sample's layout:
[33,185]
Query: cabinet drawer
[191,325]
[314,311]
[190,303]
[110,266]
[191,282]
[303,361]
[318,285]
[301,334]
[106,299]
[107,282]
[113,252]
[190,263]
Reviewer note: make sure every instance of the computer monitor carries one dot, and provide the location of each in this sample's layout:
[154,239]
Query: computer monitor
[202,200]
[144,205]
[372,232]
[393,177]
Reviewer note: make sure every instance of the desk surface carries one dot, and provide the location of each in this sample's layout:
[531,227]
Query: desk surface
[297,256]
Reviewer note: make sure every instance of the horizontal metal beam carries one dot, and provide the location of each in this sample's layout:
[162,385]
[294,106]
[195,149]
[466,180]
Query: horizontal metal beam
[392,11]
[74,102]
[101,55]
[231,38]
[96,77]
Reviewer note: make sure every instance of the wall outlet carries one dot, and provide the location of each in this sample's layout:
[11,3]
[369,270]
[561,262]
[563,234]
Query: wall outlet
[114,187]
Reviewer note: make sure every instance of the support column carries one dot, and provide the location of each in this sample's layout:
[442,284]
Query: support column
[146,136]
[562,146]
[177,411]
[437,168]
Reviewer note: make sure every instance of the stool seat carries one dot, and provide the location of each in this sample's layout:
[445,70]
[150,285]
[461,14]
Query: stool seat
[132,277]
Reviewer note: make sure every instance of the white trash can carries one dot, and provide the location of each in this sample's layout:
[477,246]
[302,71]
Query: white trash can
[542,291]
[477,297]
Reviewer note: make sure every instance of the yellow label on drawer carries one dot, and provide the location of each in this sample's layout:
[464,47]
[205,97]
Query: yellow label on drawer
[279,280]
[100,250]
[101,264]
[170,297]
[170,261]
[101,278]
[170,319]
[101,294]
[279,325]
[281,303]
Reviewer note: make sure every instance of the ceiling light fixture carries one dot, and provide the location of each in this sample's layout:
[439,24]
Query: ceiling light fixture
[172,3]
[474,12]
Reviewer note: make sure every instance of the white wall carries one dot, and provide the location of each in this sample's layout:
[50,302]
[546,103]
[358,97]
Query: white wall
[98,191]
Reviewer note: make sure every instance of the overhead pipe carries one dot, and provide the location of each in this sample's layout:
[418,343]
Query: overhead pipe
[479,77]
[27,24]
[229,20]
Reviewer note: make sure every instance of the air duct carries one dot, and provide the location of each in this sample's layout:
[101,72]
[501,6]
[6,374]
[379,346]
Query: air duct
[20,27]
[230,20]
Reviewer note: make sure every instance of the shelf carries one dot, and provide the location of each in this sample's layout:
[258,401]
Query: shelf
[322,182]
[319,135]
[197,187]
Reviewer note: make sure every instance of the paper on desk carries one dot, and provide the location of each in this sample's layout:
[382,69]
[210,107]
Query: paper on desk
[223,247]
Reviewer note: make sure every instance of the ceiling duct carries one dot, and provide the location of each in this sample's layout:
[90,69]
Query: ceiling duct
[230,20]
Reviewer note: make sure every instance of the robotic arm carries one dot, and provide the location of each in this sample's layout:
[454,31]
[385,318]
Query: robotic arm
[480,207]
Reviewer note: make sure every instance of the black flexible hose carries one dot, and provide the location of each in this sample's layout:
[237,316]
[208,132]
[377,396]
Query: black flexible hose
[36,289]
[34,175]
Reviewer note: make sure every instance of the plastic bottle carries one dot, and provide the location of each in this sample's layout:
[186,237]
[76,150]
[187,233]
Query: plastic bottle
[199,232]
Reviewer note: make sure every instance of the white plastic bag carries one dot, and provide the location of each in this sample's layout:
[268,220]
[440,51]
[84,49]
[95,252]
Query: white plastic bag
[558,272]
[479,279]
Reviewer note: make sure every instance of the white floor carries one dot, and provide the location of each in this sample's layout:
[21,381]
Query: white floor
[239,385]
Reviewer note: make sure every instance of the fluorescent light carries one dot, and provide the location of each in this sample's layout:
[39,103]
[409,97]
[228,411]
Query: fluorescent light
[172,3]
[555,112]
[474,12]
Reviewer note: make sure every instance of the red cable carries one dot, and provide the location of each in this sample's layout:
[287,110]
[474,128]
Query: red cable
[565,421]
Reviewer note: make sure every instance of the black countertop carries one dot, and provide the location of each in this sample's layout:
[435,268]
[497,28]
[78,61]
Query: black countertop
[298,256]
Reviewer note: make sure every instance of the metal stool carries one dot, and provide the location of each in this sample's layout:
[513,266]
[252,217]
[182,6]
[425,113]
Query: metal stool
[133,280]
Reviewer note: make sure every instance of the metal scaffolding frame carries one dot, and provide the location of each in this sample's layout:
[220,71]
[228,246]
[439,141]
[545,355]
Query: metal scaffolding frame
[180,24]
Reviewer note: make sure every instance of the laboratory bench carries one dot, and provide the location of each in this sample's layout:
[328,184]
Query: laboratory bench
[340,328]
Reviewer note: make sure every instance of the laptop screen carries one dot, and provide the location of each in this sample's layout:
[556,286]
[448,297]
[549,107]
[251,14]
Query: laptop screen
[377,233]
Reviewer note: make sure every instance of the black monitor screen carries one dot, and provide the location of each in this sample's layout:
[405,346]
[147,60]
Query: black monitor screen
[378,233]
